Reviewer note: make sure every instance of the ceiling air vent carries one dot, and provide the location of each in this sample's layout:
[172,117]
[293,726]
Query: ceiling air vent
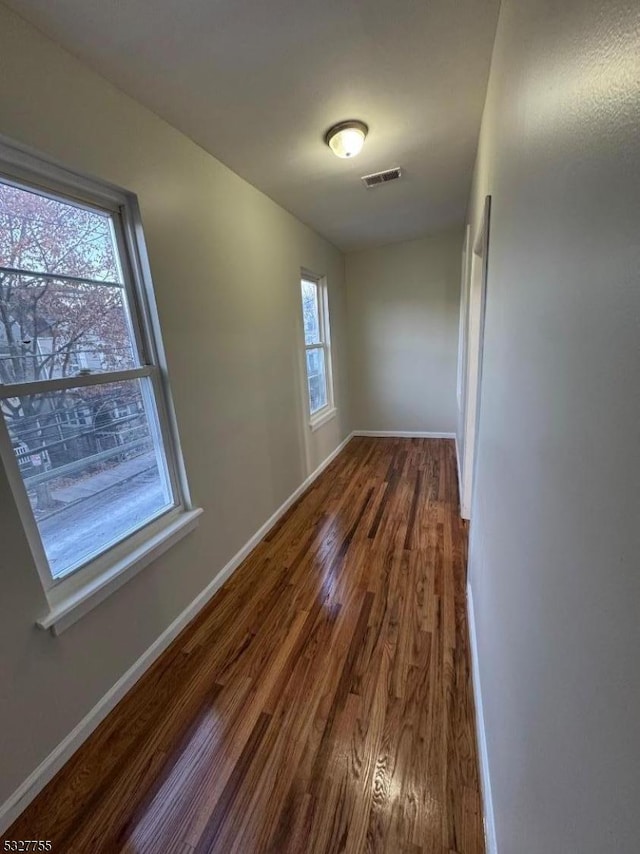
[379,178]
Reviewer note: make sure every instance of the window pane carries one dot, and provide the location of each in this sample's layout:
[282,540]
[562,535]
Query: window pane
[310,312]
[92,463]
[316,378]
[45,235]
[52,327]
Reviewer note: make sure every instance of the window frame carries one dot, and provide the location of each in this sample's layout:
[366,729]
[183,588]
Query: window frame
[328,411]
[82,587]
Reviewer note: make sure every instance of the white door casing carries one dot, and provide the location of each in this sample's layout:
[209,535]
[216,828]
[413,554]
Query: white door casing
[476,308]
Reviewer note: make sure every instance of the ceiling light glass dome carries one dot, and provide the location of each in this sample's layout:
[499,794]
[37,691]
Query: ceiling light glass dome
[347,138]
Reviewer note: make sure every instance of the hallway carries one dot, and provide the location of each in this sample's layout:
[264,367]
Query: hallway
[321,702]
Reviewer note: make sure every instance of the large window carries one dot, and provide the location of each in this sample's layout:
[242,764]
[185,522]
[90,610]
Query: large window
[315,316]
[85,433]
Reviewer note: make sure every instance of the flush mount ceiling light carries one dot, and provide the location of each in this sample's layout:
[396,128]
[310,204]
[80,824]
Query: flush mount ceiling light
[347,138]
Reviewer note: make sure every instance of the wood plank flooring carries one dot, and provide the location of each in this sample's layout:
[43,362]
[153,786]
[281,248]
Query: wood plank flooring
[320,703]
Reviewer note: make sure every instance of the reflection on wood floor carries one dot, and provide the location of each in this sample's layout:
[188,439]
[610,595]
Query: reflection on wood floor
[320,703]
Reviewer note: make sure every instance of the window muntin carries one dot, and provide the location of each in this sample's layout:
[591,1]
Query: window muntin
[80,394]
[316,341]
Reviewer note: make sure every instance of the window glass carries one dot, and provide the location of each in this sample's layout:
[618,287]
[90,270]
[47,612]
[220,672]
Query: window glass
[316,344]
[42,234]
[51,324]
[316,378]
[310,312]
[92,464]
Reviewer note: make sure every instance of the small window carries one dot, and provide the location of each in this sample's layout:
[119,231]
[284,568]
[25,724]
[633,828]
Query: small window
[315,316]
[85,433]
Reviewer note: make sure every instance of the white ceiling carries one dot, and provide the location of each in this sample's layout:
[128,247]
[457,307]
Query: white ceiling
[258,82]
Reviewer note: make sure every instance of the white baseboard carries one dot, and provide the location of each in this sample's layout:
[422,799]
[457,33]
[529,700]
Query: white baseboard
[491,844]
[50,766]
[403,434]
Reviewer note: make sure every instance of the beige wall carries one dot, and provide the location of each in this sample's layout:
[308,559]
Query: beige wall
[555,539]
[403,305]
[225,262]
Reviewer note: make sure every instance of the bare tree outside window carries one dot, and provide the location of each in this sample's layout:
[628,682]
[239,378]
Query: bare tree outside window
[62,304]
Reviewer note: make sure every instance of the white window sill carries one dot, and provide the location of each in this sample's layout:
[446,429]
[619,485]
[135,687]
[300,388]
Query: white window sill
[322,417]
[68,606]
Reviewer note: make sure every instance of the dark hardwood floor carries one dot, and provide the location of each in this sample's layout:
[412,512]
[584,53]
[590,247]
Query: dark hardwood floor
[321,702]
